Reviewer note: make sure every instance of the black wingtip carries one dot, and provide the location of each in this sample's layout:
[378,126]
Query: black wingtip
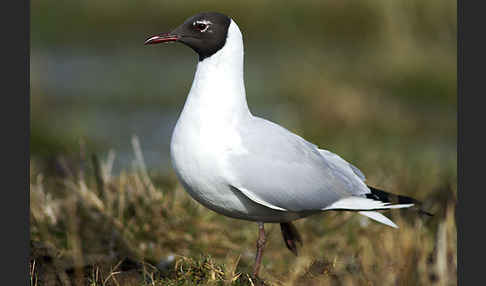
[380,195]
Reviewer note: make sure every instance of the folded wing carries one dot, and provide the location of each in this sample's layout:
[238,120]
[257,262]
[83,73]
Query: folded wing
[284,171]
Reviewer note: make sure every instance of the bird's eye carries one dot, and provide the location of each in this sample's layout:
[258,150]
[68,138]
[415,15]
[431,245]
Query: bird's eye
[202,27]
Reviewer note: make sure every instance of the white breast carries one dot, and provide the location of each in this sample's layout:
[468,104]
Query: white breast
[205,131]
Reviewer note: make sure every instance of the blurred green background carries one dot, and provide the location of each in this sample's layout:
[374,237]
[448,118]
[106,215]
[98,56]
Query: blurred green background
[373,81]
[359,78]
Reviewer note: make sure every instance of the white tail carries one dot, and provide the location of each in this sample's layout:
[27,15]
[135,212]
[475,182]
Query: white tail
[379,218]
[363,204]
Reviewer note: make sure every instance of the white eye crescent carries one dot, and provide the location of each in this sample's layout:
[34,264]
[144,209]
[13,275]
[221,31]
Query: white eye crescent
[201,25]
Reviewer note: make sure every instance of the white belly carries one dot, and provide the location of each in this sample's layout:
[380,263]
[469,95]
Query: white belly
[198,157]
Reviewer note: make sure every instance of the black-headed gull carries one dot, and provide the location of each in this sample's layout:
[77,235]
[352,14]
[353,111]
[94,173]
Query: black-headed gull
[244,166]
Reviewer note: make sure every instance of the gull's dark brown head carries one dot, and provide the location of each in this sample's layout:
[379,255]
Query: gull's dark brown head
[205,33]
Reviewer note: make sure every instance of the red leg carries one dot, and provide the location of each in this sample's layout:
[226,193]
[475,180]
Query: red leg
[260,244]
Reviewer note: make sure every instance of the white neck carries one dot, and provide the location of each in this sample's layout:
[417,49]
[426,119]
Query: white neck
[218,85]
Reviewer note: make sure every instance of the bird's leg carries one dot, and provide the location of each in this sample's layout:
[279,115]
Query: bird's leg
[290,236]
[260,244]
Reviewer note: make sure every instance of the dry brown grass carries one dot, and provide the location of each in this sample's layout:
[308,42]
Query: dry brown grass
[111,230]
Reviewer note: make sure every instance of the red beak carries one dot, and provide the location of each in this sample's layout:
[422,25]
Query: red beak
[162,38]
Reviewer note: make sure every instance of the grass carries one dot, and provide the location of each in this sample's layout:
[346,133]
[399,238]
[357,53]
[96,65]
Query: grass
[90,225]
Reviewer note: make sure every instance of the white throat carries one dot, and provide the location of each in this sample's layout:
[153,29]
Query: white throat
[218,85]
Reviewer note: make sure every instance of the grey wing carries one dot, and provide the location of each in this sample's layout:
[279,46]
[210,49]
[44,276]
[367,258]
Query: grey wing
[341,163]
[283,171]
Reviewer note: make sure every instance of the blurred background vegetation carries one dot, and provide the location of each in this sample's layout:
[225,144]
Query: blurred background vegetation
[374,81]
